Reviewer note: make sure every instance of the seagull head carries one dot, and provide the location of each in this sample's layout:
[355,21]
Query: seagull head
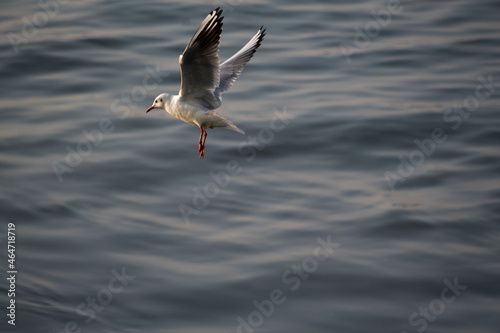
[159,102]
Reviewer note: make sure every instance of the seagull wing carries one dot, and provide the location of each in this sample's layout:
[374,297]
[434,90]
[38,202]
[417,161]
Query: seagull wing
[200,63]
[232,67]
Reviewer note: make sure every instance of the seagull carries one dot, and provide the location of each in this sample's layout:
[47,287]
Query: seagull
[204,79]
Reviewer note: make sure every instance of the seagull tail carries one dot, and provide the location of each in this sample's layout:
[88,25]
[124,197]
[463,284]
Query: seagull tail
[237,129]
[233,127]
[220,121]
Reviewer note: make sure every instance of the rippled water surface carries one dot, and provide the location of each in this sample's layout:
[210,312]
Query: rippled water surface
[364,196]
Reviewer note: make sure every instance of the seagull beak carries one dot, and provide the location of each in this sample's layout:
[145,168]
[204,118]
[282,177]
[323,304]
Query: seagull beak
[150,108]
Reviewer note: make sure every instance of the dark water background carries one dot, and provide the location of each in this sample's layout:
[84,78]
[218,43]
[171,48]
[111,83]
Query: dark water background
[355,87]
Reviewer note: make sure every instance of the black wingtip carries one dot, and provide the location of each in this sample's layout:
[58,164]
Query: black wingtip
[262,32]
[218,15]
[218,11]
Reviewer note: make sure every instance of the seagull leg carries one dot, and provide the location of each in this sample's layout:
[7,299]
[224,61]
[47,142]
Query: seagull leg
[204,140]
[201,144]
[202,153]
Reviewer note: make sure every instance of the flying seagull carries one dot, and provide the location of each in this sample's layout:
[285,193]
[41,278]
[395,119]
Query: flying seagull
[204,79]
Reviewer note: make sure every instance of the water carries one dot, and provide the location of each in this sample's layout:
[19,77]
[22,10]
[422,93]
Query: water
[232,243]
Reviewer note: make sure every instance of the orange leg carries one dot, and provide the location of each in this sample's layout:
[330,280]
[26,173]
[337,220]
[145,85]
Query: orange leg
[201,143]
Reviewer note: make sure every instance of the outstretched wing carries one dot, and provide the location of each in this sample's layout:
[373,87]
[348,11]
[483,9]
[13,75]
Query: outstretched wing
[200,63]
[232,67]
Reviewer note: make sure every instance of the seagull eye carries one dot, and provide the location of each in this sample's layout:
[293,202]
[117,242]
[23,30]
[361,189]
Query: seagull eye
[156,101]
[161,99]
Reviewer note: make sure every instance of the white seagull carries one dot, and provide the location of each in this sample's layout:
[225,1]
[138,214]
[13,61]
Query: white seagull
[204,79]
